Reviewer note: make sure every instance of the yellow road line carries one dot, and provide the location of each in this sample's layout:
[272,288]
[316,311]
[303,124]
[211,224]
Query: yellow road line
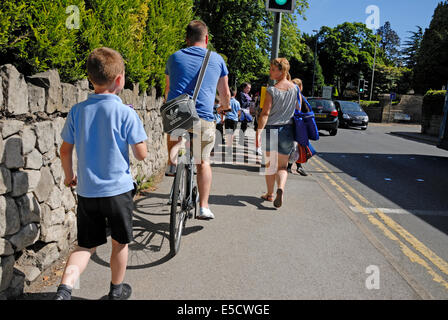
[413,257]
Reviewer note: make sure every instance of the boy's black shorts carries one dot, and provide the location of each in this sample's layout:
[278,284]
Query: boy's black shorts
[230,124]
[92,215]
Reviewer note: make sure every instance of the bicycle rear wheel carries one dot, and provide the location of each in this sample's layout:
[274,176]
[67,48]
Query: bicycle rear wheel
[178,209]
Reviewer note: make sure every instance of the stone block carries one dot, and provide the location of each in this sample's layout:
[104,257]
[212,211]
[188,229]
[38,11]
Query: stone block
[15,90]
[45,185]
[10,127]
[2,149]
[58,125]
[46,256]
[55,198]
[51,81]
[82,90]
[68,200]
[6,271]
[58,173]
[29,209]
[45,136]
[34,160]
[28,140]
[5,181]
[19,183]
[27,236]
[69,97]
[5,248]
[9,217]
[31,272]
[33,179]
[36,98]
[16,285]
[70,225]
[53,234]
[12,154]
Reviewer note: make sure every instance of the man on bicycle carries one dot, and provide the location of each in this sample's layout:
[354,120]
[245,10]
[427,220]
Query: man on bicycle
[181,72]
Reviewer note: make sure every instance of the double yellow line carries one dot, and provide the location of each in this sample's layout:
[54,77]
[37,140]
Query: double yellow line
[388,226]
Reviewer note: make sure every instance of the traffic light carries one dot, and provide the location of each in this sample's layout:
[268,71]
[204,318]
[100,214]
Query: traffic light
[362,86]
[366,86]
[286,6]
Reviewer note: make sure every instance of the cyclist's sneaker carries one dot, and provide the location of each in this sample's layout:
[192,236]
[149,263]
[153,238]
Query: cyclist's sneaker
[170,170]
[205,214]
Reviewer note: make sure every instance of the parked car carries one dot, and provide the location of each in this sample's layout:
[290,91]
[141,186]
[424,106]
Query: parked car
[326,114]
[351,114]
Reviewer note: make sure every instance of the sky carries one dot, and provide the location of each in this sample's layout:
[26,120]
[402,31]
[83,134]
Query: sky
[404,15]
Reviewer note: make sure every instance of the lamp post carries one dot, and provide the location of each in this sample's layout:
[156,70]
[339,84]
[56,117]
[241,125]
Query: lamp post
[373,71]
[315,57]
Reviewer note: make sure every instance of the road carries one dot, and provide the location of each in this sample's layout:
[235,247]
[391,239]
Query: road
[397,188]
[370,222]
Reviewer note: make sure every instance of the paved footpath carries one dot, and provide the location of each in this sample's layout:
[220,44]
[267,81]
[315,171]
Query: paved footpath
[308,249]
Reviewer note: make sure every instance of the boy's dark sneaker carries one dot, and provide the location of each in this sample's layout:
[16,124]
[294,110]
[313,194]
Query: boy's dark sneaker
[125,293]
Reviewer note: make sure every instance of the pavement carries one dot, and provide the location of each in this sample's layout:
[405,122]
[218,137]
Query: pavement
[310,248]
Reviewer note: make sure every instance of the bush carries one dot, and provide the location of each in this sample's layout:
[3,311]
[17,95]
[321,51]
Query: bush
[34,36]
[433,102]
[369,104]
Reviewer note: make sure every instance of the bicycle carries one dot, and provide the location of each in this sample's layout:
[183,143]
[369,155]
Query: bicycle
[184,197]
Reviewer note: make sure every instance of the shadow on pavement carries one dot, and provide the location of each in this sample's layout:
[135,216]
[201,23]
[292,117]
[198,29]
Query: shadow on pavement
[240,201]
[415,183]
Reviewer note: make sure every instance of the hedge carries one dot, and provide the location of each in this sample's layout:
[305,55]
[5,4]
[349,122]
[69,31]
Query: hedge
[369,104]
[433,102]
[34,35]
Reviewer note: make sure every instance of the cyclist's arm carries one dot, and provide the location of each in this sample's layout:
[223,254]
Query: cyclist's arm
[140,150]
[224,94]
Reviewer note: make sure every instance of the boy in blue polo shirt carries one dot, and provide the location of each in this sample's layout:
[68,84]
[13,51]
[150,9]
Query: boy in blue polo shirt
[101,129]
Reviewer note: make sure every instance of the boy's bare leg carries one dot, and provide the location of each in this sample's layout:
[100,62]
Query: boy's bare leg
[118,261]
[76,264]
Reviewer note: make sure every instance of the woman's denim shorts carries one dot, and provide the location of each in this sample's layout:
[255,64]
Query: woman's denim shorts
[279,138]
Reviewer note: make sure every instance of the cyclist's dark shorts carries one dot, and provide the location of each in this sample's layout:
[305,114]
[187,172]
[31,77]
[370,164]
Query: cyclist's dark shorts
[92,215]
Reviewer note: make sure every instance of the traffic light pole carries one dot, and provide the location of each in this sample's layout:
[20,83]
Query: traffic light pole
[276,37]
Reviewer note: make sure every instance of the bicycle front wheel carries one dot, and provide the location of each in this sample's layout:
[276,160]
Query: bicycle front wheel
[178,208]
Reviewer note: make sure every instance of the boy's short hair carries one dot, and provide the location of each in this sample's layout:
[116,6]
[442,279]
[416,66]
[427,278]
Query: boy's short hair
[196,31]
[104,65]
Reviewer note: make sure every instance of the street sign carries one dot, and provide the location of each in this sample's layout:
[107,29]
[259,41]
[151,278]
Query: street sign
[327,92]
[285,6]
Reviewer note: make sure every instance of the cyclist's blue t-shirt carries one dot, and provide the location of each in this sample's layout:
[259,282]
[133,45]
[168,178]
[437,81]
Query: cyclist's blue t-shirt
[235,105]
[102,128]
[183,70]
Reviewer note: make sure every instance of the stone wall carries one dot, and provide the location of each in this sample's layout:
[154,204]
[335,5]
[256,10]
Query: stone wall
[37,212]
[410,105]
[431,124]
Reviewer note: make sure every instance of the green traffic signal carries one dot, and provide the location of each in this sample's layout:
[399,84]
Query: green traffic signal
[280,2]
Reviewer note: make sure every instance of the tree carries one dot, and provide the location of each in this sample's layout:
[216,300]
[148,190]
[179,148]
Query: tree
[241,31]
[412,47]
[346,52]
[390,43]
[431,70]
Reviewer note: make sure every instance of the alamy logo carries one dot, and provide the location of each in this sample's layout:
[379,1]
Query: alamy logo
[73,21]
[373,20]
[373,280]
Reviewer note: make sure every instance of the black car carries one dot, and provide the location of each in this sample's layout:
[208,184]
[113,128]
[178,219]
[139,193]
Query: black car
[326,114]
[351,115]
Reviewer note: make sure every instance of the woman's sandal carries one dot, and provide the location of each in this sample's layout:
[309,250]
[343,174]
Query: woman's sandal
[279,199]
[268,197]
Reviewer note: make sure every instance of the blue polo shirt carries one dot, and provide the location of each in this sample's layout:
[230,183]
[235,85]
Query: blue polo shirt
[102,128]
[183,69]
